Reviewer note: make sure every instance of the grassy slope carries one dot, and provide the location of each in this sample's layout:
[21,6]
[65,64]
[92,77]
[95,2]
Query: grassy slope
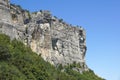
[18,62]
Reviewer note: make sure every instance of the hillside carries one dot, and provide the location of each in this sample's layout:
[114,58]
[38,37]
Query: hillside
[18,62]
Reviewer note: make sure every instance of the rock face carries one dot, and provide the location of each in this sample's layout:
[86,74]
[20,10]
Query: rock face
[4,11]
[56,41]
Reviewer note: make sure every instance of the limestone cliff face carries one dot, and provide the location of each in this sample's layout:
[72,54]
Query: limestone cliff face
[56,41]
[4,11]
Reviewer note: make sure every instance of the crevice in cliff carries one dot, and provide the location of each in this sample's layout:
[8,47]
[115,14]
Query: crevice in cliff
[54,43]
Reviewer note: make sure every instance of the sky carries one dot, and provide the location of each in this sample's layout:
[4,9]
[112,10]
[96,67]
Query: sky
[101,20]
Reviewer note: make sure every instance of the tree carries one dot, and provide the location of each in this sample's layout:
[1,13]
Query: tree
[4,53]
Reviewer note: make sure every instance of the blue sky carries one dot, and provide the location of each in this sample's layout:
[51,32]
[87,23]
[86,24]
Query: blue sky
[100,18]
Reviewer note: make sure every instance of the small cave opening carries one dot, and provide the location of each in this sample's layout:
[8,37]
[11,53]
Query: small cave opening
[14,18]
[81,32]
[54,42]
[82,40]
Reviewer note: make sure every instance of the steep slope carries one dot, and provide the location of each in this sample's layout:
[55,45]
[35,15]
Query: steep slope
[18,62]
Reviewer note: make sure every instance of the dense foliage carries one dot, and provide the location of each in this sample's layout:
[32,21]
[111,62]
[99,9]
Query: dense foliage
[18,62]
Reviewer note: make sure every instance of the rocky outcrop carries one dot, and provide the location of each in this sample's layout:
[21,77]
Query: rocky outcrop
[56,41]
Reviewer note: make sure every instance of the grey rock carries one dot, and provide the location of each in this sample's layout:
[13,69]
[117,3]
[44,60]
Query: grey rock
[56,41]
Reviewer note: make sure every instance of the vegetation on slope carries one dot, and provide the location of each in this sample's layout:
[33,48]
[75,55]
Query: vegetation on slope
[18,62]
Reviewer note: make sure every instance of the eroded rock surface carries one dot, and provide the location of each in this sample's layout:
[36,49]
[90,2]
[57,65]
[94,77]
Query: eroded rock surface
[56,41]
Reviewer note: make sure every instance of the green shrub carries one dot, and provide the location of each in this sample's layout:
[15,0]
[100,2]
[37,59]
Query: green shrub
[18,62]
[4,53]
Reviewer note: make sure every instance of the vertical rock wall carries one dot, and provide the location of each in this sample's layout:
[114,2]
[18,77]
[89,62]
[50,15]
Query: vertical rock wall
[68,43]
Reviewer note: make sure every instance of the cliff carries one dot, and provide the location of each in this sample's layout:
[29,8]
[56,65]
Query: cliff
[56,41]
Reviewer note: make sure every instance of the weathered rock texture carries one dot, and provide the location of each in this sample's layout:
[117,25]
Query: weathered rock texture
[4,11]
[56,41]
